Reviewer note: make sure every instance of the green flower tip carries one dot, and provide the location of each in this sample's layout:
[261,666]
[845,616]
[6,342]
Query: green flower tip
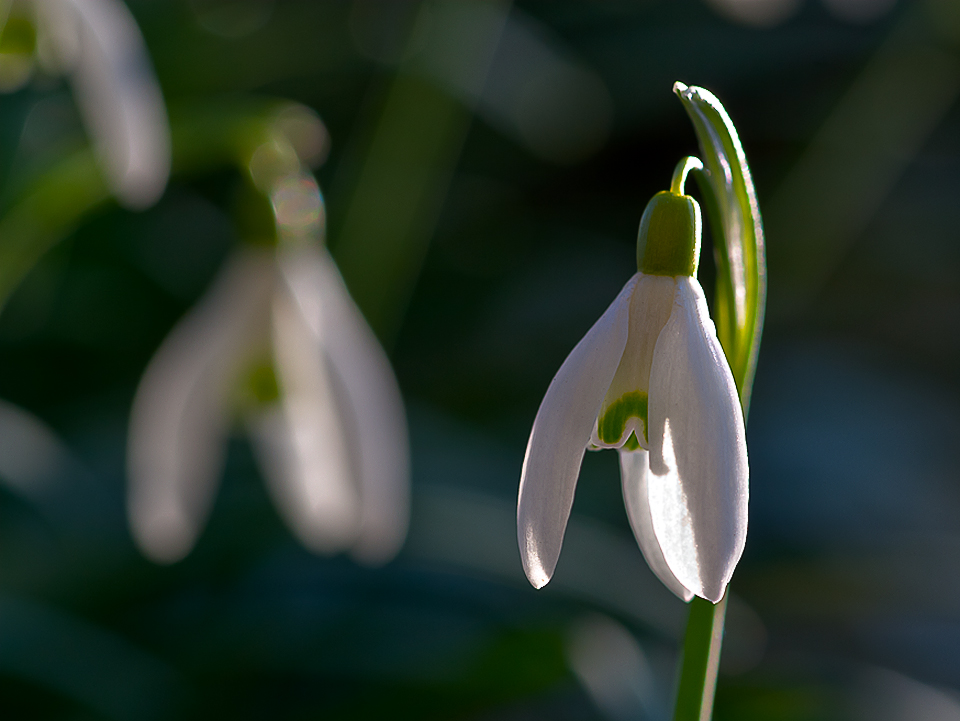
[669,239]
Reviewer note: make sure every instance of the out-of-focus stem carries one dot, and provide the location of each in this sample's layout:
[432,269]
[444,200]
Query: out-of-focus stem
[411,155]
[46,214]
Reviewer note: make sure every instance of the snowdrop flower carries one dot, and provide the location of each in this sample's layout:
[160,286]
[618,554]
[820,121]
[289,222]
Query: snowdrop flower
[278,338]
[649,379]
[98,46]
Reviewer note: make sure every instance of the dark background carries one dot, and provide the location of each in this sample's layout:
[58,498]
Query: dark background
[846,602]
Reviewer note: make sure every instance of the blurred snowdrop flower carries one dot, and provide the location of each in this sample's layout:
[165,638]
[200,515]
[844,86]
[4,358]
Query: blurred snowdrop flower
[278,339]
[651,380]
[98,45]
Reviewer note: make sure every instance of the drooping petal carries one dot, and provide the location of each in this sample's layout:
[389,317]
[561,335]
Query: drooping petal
[302,444]
[117,93]
[178,423]
[372,405]
[634,474]
[698,455]
[561,432]
[624,409]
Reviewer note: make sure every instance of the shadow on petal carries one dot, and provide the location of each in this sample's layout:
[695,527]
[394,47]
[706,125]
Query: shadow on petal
[635,475]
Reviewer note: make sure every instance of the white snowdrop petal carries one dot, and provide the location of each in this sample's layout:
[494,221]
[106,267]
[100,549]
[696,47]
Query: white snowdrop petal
[561,432]
[120,99]
[178,423]
[634,474]
[650,307]
[373,405]
[303,444]
[698,455]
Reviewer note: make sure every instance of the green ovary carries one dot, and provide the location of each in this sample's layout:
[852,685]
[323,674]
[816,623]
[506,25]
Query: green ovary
[611,424]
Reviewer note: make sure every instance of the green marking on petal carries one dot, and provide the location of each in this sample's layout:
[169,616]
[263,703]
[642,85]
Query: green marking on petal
[258,388]
[632,444]
[611,424]
[262,384]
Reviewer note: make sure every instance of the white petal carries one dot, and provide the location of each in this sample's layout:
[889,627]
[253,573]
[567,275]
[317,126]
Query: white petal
[561,432]
[302,445]
[698,452]
[634,473]
[650,306]
[118,96]
[373,407]
[178,423]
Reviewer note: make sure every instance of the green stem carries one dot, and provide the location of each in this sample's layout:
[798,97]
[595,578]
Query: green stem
[701,659]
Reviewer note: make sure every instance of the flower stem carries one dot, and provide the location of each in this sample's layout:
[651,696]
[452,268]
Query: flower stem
[681,171]
[701,657]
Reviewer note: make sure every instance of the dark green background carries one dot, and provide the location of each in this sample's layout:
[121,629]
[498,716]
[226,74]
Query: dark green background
[850,570]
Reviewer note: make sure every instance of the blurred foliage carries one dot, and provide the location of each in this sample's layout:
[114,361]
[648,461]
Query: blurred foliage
[855,515]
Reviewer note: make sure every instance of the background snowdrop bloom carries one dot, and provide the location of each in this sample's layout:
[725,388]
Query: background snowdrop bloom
[651,380]
[97,44]
[278,338]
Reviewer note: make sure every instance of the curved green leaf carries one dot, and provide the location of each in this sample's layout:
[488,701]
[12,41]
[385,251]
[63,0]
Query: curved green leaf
[734,218]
